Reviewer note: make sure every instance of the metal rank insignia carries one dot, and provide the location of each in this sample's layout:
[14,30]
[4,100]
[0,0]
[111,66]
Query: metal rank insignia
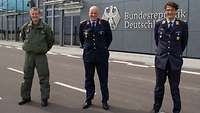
[177,22]
[101,32]
[86,34]
[161,34]
[28,30]
[178,38]
[163,22]
[42,32]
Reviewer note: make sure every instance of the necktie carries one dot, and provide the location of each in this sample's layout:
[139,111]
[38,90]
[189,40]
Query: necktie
[93,24]
[170,25]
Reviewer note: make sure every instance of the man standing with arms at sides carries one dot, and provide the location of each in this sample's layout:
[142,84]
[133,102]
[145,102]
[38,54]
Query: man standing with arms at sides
[38,39]
[171,36]
[95,37]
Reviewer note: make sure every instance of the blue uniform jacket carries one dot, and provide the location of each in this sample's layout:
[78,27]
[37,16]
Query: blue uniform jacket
[170,44]
[95,41]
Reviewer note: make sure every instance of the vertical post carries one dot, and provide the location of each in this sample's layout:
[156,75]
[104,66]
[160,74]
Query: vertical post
[53,18]
[71,42]
[45,13]
[2,22]
[37,3]
[16,29]
[22,11]
[7,20]
[61,28]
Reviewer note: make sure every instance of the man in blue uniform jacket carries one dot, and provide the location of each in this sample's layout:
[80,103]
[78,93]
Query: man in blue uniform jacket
[171,36]
[95,37]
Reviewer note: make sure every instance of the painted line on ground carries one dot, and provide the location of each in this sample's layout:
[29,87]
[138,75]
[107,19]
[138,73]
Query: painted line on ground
[15,70]
[129,63]
[73,56]
[51,53]
[69,55]
[8,47]
[69,86]
[152,66]
[137,65]
[0,98]
[184,71]
[19,48]
[153,81]
[190,72]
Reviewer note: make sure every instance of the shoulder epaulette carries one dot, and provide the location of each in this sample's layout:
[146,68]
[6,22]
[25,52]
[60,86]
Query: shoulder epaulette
[83,21]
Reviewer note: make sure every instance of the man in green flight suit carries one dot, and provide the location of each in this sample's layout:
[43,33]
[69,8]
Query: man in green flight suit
[38,39]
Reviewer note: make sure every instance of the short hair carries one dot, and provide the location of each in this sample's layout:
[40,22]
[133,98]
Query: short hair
[35,9]
[172,4]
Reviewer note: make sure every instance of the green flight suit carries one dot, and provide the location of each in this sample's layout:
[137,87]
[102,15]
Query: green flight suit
[38,40]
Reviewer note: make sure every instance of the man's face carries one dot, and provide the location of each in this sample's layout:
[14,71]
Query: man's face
[35,16]
[93,13]
[170,12]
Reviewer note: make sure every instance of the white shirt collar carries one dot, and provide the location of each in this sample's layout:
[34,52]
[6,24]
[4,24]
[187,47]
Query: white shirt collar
[170,21]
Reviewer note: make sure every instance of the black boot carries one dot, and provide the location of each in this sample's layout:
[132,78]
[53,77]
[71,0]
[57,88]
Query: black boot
[154,111]
[44,102]
[87,104]
[105,106]
[24,101]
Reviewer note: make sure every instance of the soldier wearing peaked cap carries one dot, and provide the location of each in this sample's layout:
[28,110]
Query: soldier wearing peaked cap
[171,36]
[95,37]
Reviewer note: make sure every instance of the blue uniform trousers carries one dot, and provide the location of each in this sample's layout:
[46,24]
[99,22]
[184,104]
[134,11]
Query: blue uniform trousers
[174,80]
[102,71]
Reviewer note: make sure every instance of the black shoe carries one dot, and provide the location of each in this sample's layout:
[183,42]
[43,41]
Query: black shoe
[44,102]
[24,101]
[154,111]
[105,106]
[87,105]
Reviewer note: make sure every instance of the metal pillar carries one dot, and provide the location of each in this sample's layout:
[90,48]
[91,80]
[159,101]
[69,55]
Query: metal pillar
[45,13]
[61,28]
[53,18]
[16,29]
[71,42]
[7,20]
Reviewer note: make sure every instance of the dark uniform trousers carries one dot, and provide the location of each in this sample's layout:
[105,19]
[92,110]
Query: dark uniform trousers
[174,80]
[33,60]
[171,42]
[95,40]
[102,71]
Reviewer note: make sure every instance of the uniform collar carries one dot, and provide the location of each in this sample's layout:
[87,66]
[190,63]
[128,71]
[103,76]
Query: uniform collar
[168,21]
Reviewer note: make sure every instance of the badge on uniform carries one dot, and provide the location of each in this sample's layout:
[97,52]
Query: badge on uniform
[177,23]
[178,38]
[101,32]
[86,34]
[42,32]
[163,22]
[28,30]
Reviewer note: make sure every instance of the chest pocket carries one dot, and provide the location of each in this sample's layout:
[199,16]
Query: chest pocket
[101,32]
